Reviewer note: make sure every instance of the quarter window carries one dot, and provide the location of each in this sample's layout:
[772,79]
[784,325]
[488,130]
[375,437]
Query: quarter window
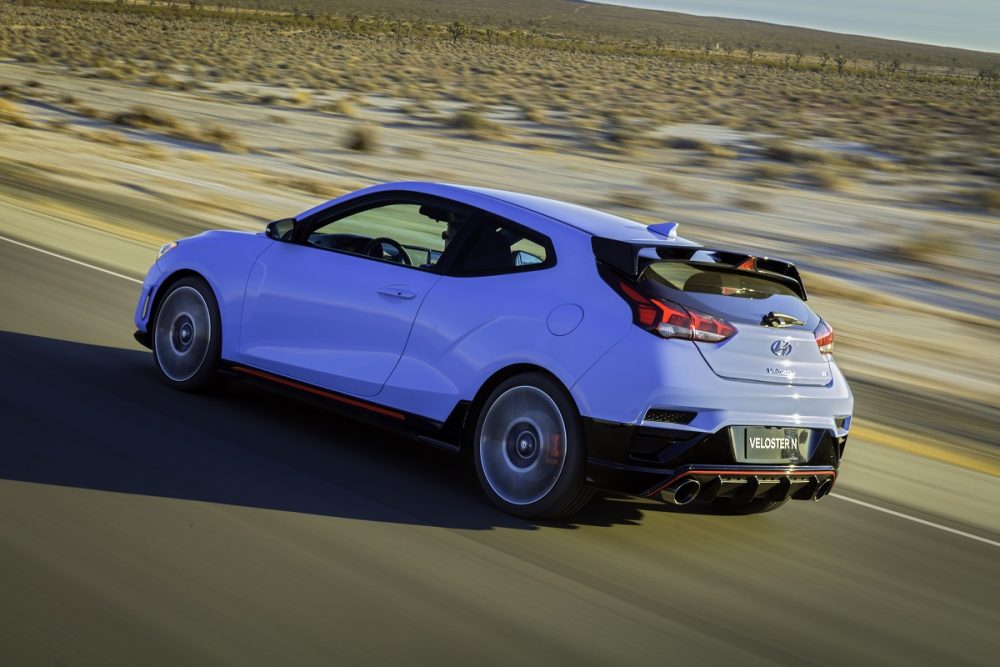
[497,247]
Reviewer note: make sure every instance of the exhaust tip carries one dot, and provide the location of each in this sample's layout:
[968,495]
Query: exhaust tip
[823,489]
[682,492]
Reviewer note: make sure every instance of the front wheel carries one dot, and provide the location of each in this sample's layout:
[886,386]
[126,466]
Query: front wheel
[187,336]
[529,450]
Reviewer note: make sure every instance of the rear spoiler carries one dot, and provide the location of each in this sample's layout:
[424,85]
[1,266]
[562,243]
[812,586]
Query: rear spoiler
[624,257]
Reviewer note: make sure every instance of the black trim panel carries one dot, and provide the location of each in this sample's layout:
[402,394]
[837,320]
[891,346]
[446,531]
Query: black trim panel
[447,435]
[143,338]
[633,459]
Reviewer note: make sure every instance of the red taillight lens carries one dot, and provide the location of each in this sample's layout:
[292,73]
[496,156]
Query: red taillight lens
[709,328]
[672,320]
[824,337]
[645,312]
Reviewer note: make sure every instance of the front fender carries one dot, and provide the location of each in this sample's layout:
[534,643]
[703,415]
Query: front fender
[223,259]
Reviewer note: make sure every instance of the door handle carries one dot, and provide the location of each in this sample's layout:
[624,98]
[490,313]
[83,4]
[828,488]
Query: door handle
[397,292]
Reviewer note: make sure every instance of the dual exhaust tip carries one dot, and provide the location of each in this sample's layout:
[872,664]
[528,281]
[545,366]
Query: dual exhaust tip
[687,490]
[682,492]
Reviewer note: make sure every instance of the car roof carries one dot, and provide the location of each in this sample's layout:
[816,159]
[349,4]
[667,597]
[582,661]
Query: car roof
[587,220]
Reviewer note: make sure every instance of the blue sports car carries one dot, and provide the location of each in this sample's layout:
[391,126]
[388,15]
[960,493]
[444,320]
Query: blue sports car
[566,349]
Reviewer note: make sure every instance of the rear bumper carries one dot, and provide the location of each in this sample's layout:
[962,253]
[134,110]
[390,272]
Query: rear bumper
[642,460]
[744,483]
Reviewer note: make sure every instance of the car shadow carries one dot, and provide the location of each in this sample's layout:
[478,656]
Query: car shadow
[97,417]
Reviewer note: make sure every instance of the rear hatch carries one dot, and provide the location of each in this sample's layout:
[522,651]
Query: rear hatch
[774,341]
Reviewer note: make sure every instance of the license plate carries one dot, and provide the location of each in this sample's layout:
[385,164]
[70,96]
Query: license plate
[766,444]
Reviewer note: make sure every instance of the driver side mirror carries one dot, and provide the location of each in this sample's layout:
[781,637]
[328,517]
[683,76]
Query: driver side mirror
[280,230]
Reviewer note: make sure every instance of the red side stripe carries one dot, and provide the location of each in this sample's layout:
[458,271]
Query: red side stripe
[320,392]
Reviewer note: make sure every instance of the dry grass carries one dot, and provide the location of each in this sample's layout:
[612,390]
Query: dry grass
[312,186]
[770,172]
[477,125]
[988,199]
[907,116]
[158,120]
[825,178]
[11,112]
[676,187]
[605,100]
[345,106]
[221,137]
[748,201]
[534,114]
[632,199]
[784,151]
[147,118]
[363,138]
[926,246]
[300,98]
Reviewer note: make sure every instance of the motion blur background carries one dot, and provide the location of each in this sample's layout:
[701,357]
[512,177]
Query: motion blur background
[874,165]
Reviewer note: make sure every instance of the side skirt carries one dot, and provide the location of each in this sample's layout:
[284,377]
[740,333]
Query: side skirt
[446,435]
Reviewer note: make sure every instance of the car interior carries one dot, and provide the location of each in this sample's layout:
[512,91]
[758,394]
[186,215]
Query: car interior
[417,235]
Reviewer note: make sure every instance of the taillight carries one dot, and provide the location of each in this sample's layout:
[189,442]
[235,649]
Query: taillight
[672,320]
[709,328]
[824,337]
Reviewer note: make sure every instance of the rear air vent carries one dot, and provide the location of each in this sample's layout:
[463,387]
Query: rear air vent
[669,416]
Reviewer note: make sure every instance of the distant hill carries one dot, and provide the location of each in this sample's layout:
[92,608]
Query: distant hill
[578,18]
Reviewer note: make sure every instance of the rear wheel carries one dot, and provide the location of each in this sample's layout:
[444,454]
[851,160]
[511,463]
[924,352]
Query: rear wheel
[529,450]
[187,336]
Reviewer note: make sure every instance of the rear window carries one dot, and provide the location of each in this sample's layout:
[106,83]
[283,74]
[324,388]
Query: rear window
[734,294]
[709,279]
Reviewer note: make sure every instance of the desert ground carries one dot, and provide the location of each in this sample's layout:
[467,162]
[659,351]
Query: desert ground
[883,189]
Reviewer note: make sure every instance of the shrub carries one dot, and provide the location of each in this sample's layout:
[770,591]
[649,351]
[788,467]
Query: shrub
[631,199]
[223,137]
[989,200]
[747,202]
[345,107]
[10,112]
[362,138]
[827,179]
[476,124]
[146,117]
[300,98]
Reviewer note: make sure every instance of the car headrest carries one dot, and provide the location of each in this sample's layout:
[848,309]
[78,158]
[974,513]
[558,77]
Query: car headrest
[708,282]
[444,214]
[434,212]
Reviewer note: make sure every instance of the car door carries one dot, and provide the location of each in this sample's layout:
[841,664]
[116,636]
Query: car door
[335,306]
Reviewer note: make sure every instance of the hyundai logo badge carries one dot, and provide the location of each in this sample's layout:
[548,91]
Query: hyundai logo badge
[781,348]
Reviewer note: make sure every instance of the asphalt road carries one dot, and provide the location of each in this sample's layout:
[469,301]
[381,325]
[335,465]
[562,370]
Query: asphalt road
[144,526]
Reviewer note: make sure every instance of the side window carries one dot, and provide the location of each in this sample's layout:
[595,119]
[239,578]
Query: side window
[408,234]
[501,248]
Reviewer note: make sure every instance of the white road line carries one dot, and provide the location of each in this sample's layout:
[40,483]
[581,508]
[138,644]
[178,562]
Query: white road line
[914,519]
[832,495]
[70,259]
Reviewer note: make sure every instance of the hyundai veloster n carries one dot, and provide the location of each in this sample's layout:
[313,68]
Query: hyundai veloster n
[563,348]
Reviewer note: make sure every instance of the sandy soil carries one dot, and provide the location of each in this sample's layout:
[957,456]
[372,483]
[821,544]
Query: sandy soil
[910,290]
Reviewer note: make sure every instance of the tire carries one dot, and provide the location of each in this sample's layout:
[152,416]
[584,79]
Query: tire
[187,336]
[756,506]
[529,451]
